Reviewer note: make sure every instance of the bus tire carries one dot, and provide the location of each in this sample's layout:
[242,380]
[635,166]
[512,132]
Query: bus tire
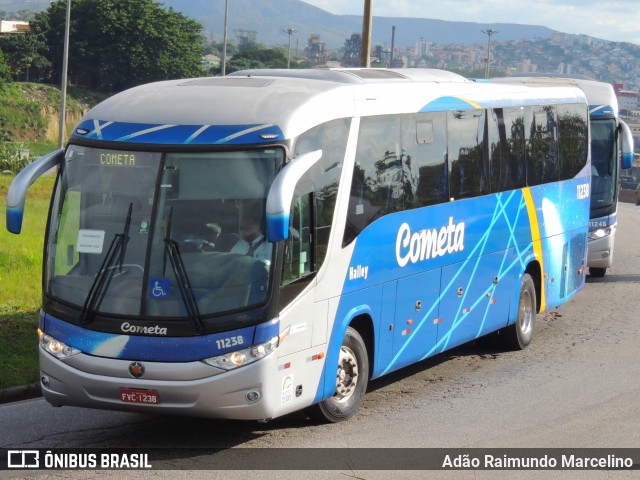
[520,334]
[352,377]
[597,272]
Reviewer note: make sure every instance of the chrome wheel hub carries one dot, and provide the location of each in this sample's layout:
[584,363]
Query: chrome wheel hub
[526,313]
[347,377]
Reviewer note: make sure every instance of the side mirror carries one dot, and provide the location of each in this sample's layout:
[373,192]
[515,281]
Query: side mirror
[281,194]
[18,189]
[626,146]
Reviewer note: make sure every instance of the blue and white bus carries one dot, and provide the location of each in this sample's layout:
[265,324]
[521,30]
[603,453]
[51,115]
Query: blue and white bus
[248,246]
[611,151]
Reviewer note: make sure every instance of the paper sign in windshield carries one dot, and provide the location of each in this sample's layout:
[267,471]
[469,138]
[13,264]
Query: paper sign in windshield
[90,241]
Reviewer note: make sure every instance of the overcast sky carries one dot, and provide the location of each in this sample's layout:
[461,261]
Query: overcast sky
[610,20]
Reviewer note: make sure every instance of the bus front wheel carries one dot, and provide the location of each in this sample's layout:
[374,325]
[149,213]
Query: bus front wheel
[352,377]
[520,334]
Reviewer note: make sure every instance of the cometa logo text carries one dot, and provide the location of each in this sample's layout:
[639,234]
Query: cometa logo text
[155,330]
[425,244]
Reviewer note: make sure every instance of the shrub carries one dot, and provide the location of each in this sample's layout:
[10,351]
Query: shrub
[13,158]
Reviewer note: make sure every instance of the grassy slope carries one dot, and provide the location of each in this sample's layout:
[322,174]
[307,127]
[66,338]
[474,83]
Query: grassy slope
[21,285]
[26,109]
[25,112]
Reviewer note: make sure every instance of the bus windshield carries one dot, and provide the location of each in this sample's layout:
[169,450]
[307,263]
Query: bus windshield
[160,235]
[603,163]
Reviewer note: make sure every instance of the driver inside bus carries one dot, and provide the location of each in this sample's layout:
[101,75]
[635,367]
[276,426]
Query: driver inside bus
[252,242]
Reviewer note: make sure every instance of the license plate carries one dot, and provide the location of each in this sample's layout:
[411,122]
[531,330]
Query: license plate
[129,395]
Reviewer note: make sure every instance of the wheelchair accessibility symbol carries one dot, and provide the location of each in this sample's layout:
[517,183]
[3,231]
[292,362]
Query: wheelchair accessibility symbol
[158,288]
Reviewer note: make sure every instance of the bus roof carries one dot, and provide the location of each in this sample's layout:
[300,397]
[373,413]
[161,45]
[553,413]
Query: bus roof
[258,106]
[600,95]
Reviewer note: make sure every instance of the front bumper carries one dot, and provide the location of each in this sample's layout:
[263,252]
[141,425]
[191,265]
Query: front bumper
[190,388]
[600,252]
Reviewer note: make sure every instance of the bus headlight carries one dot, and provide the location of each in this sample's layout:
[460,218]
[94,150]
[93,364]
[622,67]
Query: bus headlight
[236,359]
[600,233]
[56,347]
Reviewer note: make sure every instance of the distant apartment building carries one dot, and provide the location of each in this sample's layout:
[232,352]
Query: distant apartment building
[12,27]
[421,48]
[627,100]
[527,67]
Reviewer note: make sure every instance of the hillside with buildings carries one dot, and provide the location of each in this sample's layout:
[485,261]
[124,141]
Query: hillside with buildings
[566,54]
[318,37]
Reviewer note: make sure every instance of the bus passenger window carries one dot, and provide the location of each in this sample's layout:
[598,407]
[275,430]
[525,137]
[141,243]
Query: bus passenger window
[506,148]
[379,176]
[542,146]
[572,139]
[465,129]
[324,177]
[426,148]
[298,248]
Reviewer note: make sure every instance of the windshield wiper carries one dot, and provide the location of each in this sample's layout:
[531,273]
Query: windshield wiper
[172,252]
[102,279]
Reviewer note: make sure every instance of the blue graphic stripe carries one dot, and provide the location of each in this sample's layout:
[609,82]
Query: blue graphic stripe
[195,134]
[498,212]
[481,245]
[482,297]
[482,242]
[228,138]
[424,242]
[512,241]
[601,111]
[444,104]
[459,320]
[164,134]
[143,132]
[155,348]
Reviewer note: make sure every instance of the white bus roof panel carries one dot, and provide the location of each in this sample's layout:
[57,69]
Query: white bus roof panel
[285,103]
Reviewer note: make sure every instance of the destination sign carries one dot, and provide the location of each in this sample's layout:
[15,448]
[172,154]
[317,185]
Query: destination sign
[118,159]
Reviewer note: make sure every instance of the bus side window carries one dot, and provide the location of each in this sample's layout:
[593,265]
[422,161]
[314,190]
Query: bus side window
[542,146]
[426,164]
[377,186]
[467,175]
[324,176]
[506,148]
[298,255]
[572,139]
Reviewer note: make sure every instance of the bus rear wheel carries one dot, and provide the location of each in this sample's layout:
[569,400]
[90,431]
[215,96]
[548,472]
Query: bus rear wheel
[352,377]
[520,334]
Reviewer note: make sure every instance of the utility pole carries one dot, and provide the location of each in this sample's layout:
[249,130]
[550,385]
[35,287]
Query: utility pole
[63,86]
[224,39]
[365,44]
[488,32]
[393,42]
[289,31]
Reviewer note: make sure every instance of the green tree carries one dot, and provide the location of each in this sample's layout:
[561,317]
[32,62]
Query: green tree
[25,15]
[117,44]
[23,52]
[217,47]
[261,58]
[5,71]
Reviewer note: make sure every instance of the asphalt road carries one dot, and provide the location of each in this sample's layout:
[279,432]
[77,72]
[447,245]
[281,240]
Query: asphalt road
[577,385]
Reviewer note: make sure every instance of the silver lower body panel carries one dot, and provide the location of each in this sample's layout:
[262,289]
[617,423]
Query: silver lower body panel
[221,395]
[600,252]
